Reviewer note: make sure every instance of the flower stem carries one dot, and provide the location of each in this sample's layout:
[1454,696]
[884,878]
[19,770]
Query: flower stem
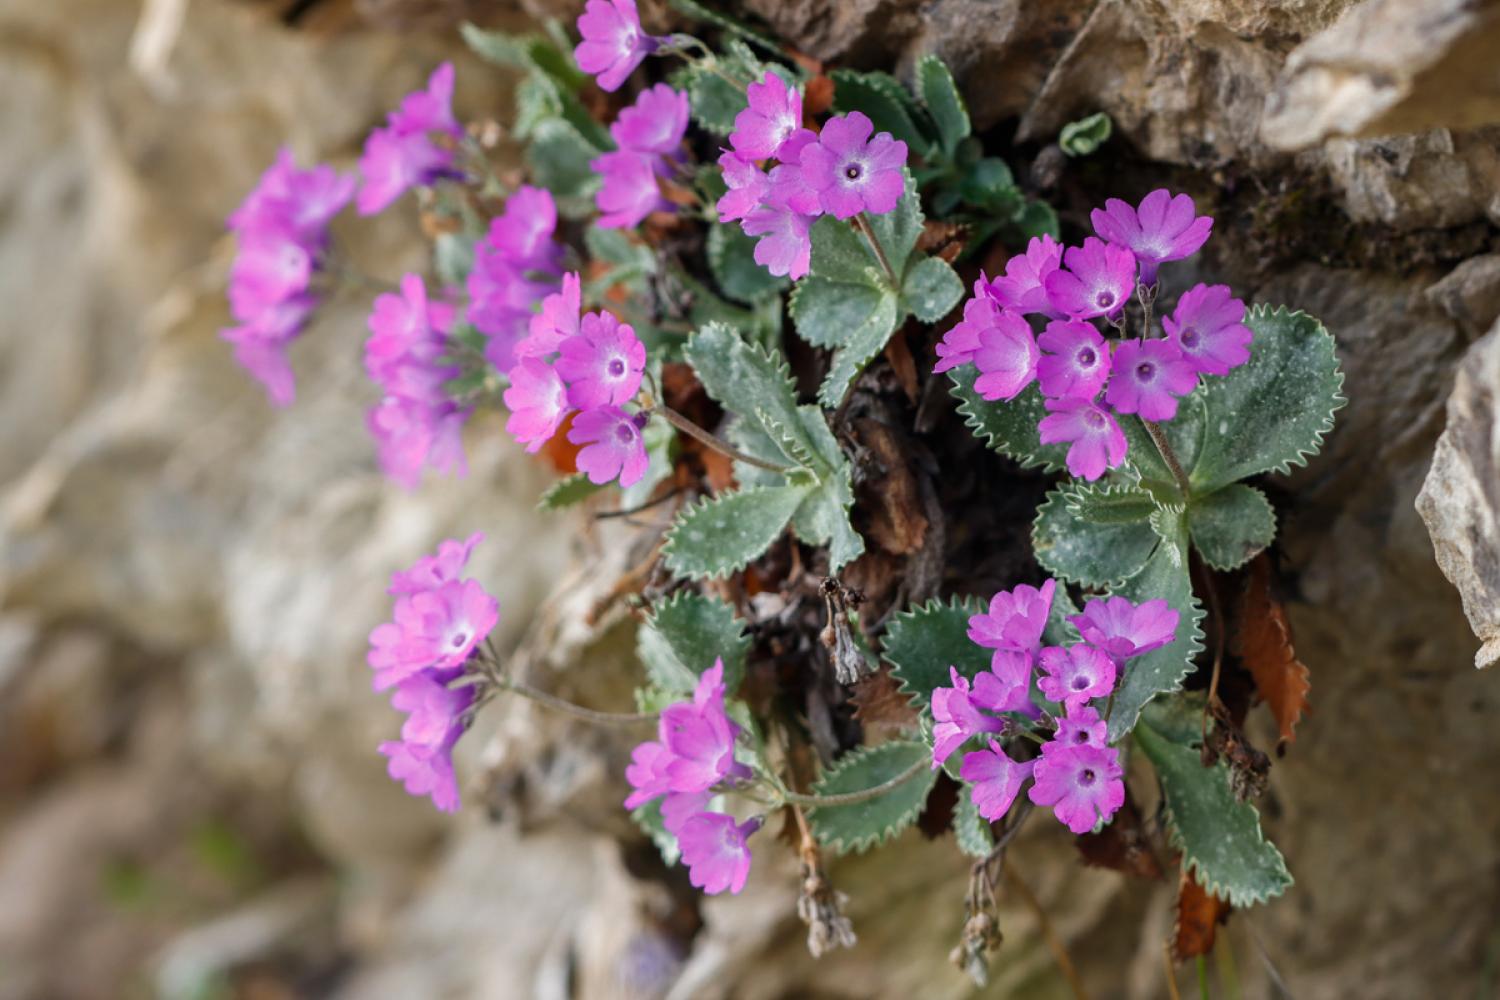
[862,222]
[1159,438]
[854,798]
[723,447]
[565,706]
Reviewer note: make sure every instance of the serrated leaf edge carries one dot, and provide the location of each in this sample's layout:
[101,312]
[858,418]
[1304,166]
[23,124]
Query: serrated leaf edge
[975,423]
[1044,561]
[1275,527]
[973,603]
[669,546]
[863,843]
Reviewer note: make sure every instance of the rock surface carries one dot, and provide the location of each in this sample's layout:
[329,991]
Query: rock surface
[186,576]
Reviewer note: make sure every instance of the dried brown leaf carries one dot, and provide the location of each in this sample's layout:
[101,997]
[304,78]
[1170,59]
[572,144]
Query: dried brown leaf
[1199,914]
[1122,846]
[889,492]
[1265,646]
[880,706]
[945,240]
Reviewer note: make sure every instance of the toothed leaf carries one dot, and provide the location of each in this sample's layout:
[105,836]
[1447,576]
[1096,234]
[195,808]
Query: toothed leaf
[939,94]
[1220,838]
[1165,576]
[723,534]
[922,643]
[696,630]
[1272,412]
[1095,553]
[971,830]
[1184,434]
[863,825]
[567,492]
[864,342]
[731,257]
[1008,427]
[745,379]
[1230,526]
[881,98]
[930,289]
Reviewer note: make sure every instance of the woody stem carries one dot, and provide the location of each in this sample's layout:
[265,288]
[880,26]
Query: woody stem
[723,447]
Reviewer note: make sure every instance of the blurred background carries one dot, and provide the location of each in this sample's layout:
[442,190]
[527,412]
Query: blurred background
[190,801]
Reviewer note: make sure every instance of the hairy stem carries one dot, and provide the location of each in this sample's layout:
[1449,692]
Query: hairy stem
[723,447]
[1159,438]
[567,707]
[862,222]
[1054,943]
[854,798]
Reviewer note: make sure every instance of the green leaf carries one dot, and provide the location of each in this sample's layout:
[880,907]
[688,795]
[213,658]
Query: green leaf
[1185,435]
[990,185]
[714,98]
[1232,525]
[930,289]
[453,257]
[922,643]
[1059,631]
[1165,576]
[823,518]
[1220,838]
[723,534]
[944,103]
[829,313]
[864,342]
[841,254]
[695,630]
[559,158]
[1008,427]
[899,229]
[1272,412]
[746,379]
[1095,553]
[885,102]
[568,492]
[1082,137]
[731,258]
[866,824]
[971,829]
[1037,219]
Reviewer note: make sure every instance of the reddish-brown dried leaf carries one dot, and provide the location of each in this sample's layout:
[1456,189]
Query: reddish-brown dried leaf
[1265,646]
[1199,914]
[896,521]
[945,240]
[903,364]
[818,97]
[560,452]
[1122,846]
[880,706]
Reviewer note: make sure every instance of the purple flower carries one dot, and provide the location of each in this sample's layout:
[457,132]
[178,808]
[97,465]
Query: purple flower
[785,247]
[297,204]
[851,171]
[1097,441]
[268,269]
[789,185]
[1082,784]
[714,849]
[774,113]
[265,360]
[1209,326]
[515,266]
[1006,356]
[701,737]
[538,403]
[558,320]
[655,123]
[431,630]
[415,425]
[1123,629]
[959,344]
[433,710]
[612,445]
[679,807]
[957,718]
[403,154]
[1097,281]
[747,183]
[1074,362]
[994,779]
[647,773]
[1076,675]
[1006,686]
[1163,228]
[1021,288]
[1080,727]
[429,774]
[602,363]
[431,572]
[1148,377]
[1015,620]
[630,191]
[613,43]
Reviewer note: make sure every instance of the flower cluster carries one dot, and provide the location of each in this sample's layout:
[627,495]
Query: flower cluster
[691,756]
[588,367]
[416,424]
[842,171]
[1077,773]
[416,147]
[1085,380]
[439,620]
[613,43]
[648,135]
[282,228]
[515,265]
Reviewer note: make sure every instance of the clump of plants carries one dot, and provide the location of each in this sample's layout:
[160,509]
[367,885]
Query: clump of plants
[737,294]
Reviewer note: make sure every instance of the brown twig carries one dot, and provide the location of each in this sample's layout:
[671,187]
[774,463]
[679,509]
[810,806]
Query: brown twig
[692,430]
[1054,943]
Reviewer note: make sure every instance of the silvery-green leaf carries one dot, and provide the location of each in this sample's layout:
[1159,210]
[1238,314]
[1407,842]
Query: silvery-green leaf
[971,829]
[930,289]
[719,535]
[1008,427]
[882,99]
[939,94]
[1230,526]
[1094,553]
[922,643]
[866,824]
[691,631]
[731,257]
[1082,137]
[567,492]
